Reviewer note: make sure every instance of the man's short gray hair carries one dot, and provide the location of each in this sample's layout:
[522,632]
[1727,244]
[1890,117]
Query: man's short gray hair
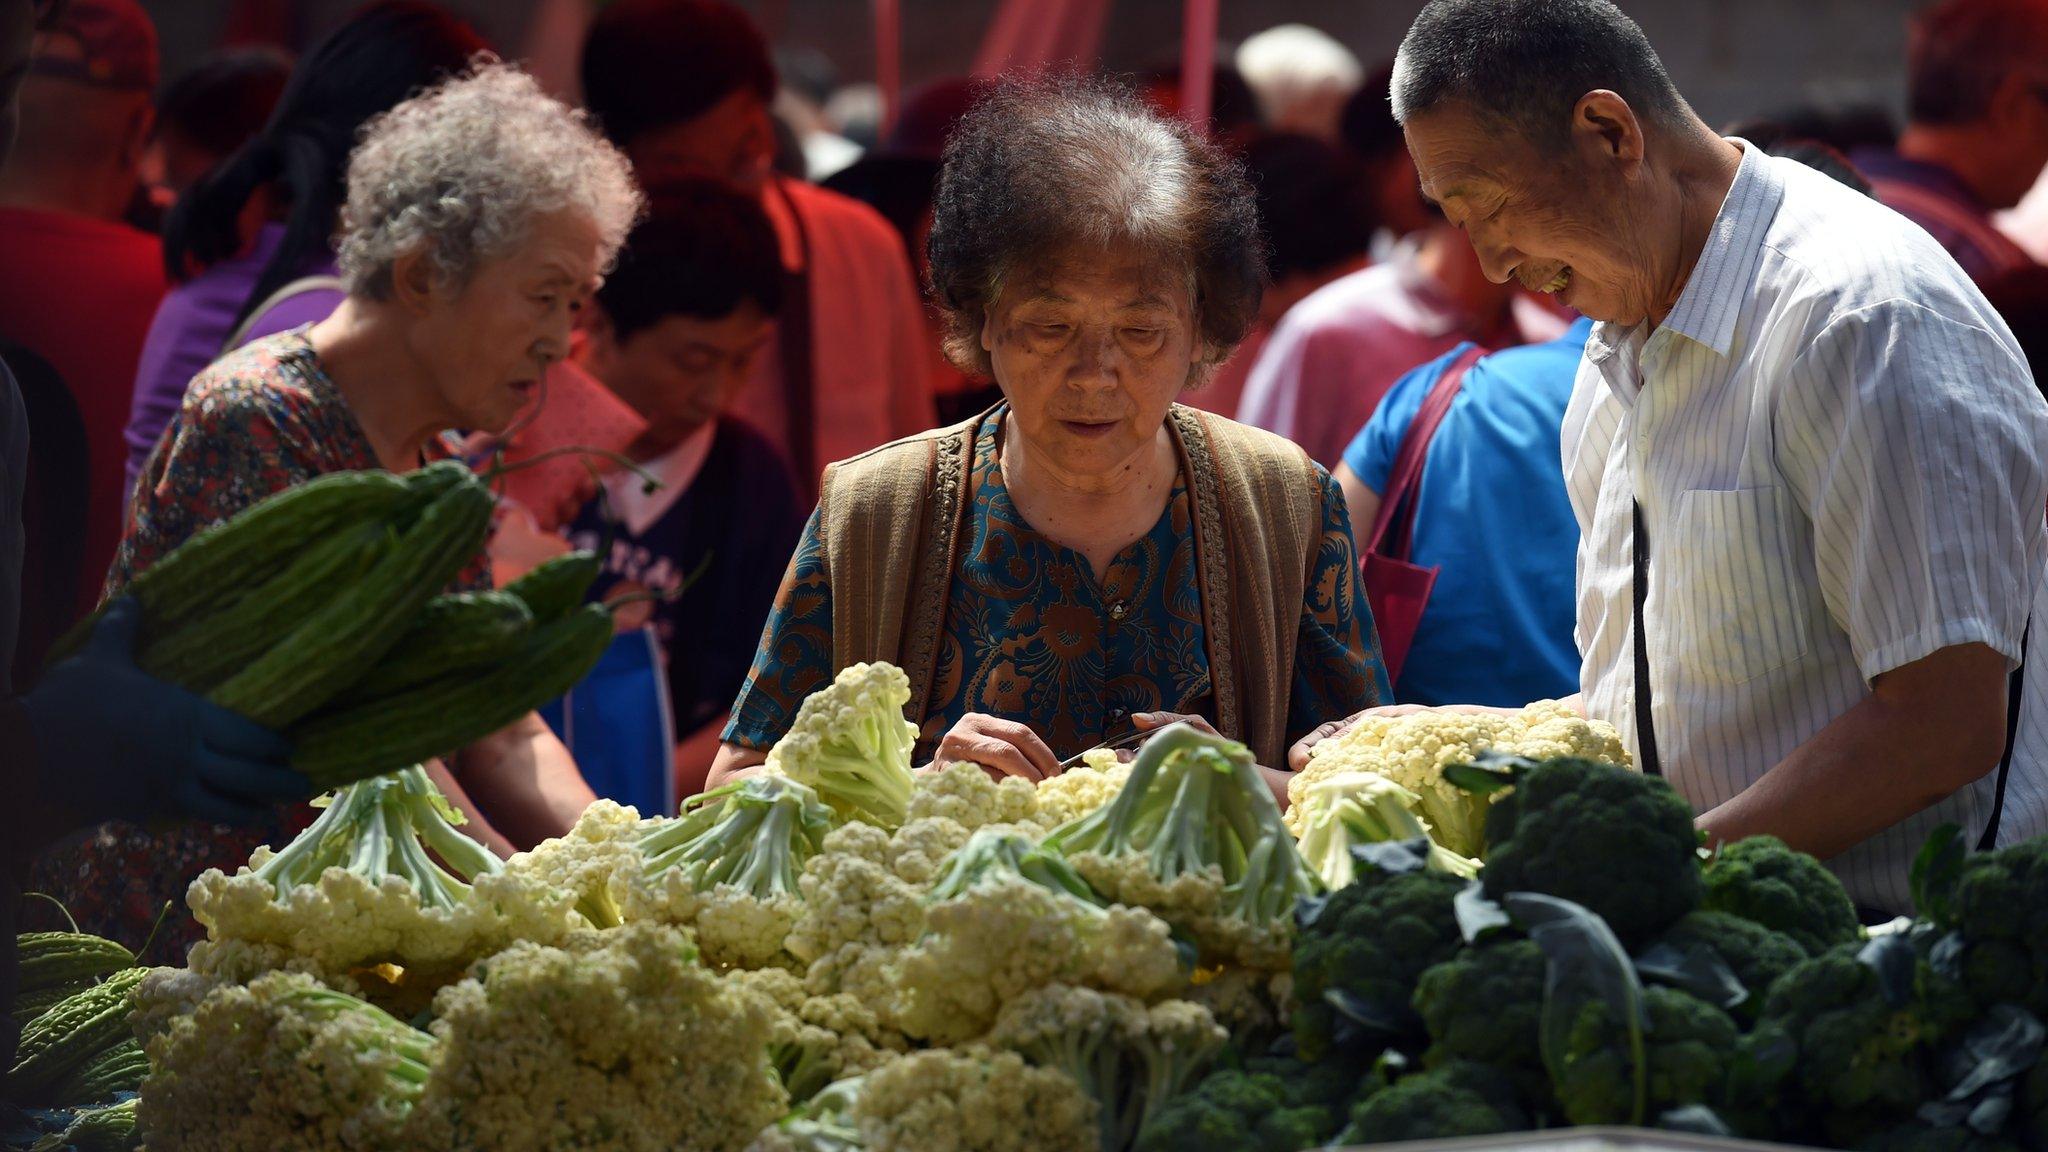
[1527,62]
[464,168]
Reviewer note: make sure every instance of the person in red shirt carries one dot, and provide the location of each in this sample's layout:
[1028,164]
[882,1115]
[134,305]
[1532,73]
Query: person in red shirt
[81,286]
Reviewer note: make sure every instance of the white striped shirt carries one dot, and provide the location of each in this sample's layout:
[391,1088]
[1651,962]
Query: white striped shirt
[1838,451]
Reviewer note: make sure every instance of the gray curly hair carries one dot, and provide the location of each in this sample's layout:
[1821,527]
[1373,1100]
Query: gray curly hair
[464,168]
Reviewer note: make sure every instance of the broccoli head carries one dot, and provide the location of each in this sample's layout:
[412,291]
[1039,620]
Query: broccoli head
[1761,879]
[1359,952]
[2032,1099]
[1686,1047]
[1237,1111]
[1485,1005]
[1866,1042]
[1757,955]
[2006,953]
[1620,843]
[1457,1099]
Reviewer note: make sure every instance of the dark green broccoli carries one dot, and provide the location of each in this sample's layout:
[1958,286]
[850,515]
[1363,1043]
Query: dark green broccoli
[1756,954]
[2006,955]
[1866,1059]
[1236,1111]
[1687,1047]
[1486,1005]
[1761,879]
[1618,842]
[1358,953]
[1457,1099]
[1761,1096]
[1331,1083]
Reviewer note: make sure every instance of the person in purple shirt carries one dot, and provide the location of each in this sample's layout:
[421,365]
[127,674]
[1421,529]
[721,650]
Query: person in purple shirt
[236,288]
[1977,130]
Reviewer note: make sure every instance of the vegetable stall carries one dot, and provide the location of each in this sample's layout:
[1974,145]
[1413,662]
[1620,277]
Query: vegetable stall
[1459,926]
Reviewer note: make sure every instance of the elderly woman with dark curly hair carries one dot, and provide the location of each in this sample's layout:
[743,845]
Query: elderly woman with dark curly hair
[1089,556]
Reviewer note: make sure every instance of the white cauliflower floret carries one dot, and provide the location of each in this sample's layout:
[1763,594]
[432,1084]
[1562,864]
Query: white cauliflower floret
[603,844]
[919,849]
[1078,791]
[850,742]
[964,793]
[1414,750]
[944,1100]
[815,1040]
[617,1041]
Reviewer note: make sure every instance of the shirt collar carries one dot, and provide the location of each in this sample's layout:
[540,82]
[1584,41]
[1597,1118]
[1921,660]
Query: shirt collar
[676,469]
[1715,292]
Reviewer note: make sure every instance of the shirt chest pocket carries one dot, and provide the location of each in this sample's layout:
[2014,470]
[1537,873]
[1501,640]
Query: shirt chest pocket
[1739,606]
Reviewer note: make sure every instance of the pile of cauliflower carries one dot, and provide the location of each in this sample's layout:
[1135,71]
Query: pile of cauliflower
[837,953]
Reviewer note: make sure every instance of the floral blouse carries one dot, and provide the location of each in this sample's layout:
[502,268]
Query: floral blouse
[1032,633]
[256,422]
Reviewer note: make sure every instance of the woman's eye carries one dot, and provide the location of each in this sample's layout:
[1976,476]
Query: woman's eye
[1050,329]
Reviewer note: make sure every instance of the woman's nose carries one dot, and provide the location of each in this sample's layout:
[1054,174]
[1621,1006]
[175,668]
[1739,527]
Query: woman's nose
[1097,353]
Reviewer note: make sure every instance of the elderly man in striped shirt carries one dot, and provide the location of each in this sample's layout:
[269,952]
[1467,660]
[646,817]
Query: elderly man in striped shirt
[1806,457]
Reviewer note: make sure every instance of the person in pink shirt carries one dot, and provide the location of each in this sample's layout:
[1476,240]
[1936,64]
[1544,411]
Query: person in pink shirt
[683,87]
[1333,357]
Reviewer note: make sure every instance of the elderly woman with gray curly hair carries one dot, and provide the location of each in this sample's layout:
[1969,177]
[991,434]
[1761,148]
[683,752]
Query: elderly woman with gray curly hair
[479,217]
[1088,557]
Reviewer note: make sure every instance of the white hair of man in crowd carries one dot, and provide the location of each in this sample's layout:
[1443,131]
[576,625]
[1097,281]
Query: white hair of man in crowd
[1302,76]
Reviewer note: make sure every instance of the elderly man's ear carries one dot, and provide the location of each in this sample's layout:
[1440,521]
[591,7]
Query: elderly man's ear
[1604,125]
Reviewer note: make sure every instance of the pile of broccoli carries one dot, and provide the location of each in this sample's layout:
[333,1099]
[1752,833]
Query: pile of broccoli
[1605,970]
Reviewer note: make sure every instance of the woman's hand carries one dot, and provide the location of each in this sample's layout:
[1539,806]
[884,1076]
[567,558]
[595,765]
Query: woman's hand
[1297,756]
[1003,747]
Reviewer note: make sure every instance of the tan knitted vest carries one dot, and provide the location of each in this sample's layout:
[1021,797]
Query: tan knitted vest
[892,521]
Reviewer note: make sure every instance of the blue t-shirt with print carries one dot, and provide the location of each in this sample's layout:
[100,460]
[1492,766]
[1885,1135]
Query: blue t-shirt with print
[1492,516]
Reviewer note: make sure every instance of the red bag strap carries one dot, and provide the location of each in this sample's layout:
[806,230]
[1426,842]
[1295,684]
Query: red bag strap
[1397,508]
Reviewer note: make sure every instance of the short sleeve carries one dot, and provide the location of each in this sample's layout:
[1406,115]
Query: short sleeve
[225,450]
[1337,666]
[795,655]
[1371,454]
[1914,443]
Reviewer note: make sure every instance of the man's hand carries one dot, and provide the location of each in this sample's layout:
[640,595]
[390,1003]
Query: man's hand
[112,741]
[1002,747]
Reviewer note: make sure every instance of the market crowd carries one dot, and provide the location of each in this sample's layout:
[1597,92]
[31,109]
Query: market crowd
[1488,375]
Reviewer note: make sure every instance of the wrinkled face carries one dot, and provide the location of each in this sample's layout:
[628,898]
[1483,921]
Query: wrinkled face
[733,141]
[1091,347]
[1581,221]
[487,342]
[681,372]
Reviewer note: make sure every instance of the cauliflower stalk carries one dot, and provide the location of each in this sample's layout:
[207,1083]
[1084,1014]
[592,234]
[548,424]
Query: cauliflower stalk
[944,1100]
[1007,917]
[1414,750]
[358,889]
[850,742]
[1130,1059]
[283,1062]
[729,868]
[619,1040]
[1194,834]
[1352,808]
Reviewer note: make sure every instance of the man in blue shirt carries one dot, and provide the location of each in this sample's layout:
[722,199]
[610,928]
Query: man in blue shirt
[1492,515]
[677,328]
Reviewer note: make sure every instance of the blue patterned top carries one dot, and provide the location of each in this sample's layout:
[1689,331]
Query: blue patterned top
[1033,634]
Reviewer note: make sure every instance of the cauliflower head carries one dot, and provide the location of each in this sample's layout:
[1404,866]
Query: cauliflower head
[963,793]
[850,742]
[282,1062]
[1353,808]
[617,1040]
[944,1100]
[1414,750]
[1078,791]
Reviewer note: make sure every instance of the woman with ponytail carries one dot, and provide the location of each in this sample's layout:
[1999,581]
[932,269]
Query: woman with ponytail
[252,245]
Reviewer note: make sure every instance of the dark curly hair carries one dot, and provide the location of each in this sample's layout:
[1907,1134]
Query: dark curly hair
[1041,166]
